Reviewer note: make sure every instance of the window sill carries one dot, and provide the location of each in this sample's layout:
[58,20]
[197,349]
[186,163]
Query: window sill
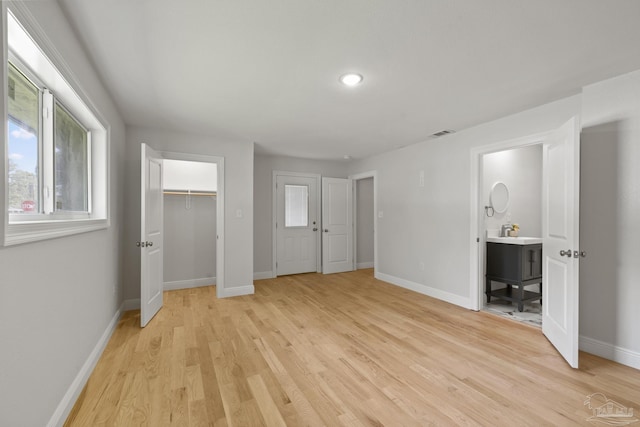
[27,232]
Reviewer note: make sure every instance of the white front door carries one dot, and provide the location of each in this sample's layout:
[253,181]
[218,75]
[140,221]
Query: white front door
[297,225]
[337,230]
[560,224]
[151,225]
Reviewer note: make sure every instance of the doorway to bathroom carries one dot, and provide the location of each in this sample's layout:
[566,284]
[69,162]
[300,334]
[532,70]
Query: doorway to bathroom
[517,174]
[559,252]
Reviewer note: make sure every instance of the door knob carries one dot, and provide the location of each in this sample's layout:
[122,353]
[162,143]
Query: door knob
[326,230]
[149,243]
[577,254]
[315,228]
[567,253]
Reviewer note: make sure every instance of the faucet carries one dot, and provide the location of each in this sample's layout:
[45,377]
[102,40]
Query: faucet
[504,230]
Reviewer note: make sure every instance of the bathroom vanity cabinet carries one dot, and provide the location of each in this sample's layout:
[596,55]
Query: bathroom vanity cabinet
[517,265]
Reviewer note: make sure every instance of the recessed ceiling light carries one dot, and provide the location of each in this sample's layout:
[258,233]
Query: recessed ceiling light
[351,79]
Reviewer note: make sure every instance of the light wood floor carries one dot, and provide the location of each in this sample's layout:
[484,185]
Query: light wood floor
[342,349]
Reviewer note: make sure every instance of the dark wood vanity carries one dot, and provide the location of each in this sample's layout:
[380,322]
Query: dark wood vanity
[517,266]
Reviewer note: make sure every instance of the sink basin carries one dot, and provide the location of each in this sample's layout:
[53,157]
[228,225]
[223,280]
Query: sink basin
[515,240]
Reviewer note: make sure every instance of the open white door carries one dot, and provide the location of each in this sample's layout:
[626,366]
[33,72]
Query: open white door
[337,229]
[560,225]
[151,225]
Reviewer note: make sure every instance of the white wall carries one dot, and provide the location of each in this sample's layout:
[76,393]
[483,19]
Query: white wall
[189,241]
[431,224]
[610,219]
[263,171]
[521,170]
[365,223]
[59,296]
[186,175]
[238,168]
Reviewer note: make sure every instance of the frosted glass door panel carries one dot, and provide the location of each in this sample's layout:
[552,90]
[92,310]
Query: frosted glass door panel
[296,205]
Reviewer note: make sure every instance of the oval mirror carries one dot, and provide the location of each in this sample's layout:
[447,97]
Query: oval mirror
[499,197]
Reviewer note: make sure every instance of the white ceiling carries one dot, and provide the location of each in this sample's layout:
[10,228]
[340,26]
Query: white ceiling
[267,71]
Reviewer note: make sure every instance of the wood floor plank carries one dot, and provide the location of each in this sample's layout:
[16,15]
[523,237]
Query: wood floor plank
[330,350]
[268,408]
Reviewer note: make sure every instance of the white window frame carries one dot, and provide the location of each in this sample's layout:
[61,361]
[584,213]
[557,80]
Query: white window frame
[28,47]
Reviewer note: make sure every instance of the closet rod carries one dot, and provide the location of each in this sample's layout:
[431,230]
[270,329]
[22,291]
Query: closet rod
[190,193]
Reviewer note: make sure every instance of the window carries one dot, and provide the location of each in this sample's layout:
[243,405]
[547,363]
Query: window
[71,144]
[23,142]
[65,181]
[296,205]
[56,178]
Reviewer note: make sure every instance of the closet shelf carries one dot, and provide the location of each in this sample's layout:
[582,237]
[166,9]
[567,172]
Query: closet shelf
[190,193]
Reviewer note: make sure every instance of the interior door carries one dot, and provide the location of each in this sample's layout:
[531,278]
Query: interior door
[560,225]
[151,225]
[337,229]
[296,224]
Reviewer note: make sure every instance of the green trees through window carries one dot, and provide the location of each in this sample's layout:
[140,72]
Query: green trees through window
[71,173]
[48,151]
[23,125]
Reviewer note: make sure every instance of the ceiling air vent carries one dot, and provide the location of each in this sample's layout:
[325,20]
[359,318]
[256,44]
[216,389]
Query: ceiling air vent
[442,133]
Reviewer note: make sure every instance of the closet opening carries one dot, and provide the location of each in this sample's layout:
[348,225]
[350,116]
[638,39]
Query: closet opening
[192,223]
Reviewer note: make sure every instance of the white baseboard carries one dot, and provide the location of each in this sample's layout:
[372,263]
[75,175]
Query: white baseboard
[260,275]
[187,284]
[362,265]
[66,404]
[131,304]
[426,290]
[134,304]
[610,351]
[237,291]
